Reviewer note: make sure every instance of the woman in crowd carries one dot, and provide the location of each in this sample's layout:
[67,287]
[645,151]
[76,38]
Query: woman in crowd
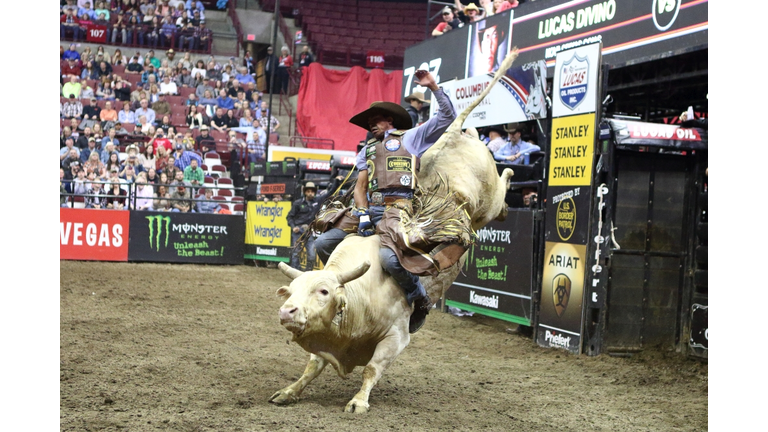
[162,199]
[209,102]
[144,193]
[154,94]
[163,179]
[165,123]
[128,174]
[152,176]
[88,71]
[161,160]
[117,58]
[94,165]
[164,69]
[105,90]
[134,25]
[171,132]
[152,28]
[97,130]
[284,66]
[247,119]
[66,133]
[198,69]
[143,127]
[87,92]
[232,121]
[97,200]
[195,117]
[120,27]
[126,115]
[101,8]
[112,162]
[171,169]
[117,198]
[148,159]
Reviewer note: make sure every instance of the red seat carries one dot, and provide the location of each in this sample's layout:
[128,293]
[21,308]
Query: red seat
[224,181]
[179,109]
[238,208]
[237,199]
[225,193]
[118,69]
[273,138]
[184,92]
[129,127]
[218,171]
[208,179]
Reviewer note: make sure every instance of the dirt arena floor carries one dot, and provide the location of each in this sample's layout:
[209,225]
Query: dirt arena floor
[148,347]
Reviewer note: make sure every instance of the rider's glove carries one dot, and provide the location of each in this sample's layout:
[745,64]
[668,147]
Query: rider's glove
[365,226]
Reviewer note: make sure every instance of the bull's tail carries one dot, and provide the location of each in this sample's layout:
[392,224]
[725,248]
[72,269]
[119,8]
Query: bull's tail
[455,127]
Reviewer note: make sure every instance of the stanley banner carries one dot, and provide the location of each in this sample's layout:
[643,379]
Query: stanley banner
[267,234]
[497,277]
[569,197]
[186,238]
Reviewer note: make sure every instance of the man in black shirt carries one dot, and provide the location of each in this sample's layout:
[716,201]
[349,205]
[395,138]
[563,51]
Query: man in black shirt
[204,142]
[92,111]
[219,121]
[134,66]
[302,213]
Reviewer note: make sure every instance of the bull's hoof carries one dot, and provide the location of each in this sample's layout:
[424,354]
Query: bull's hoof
[356,406]
[283,398]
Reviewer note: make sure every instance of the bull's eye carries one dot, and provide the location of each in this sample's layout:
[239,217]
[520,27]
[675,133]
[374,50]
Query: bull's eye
[324,292]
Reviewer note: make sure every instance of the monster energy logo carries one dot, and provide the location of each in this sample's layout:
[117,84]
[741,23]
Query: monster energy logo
[158,220]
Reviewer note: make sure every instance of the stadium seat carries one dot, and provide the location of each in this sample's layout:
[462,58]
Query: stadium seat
[227,193]
[79,202]
[237,199]
[218,171]
[208,180]
[238,209]
[129,127]
[118,69]
[225,182]
[184,92]
[211,158]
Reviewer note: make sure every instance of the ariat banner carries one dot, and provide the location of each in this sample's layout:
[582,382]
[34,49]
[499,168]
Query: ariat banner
[496,279]
[562,294]
[267,234]
[93,235]
[186,237]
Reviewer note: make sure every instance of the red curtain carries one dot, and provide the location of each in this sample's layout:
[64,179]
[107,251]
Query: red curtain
[329,98]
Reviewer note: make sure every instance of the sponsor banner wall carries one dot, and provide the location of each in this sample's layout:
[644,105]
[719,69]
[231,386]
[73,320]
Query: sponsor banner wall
[98,235]
[267,234]
[572,150]
[186,237]
[576,73]
[497,277]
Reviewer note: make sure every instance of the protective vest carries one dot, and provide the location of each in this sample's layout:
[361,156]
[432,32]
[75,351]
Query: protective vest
[390,165]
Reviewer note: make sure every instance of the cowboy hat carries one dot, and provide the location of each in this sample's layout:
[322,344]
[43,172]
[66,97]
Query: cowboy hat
[470,7]
[310,185]
[419,96]
[513,127]
[400,117]
[498,129]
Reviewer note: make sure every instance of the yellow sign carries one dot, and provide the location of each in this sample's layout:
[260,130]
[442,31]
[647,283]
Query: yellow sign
[266,223]
[279,153]
[563,285]
[572,152]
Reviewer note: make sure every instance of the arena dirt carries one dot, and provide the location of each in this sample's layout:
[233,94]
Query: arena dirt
[156,347]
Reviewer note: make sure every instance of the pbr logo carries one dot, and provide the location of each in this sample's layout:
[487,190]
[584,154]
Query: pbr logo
[392,145]
[574,79]
[561,293]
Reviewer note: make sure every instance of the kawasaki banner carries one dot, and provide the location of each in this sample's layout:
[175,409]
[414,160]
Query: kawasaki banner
[497,277]
[186,237]
[267,235]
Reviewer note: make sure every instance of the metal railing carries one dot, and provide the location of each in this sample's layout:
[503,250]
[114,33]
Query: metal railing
[232,13]
[169,42]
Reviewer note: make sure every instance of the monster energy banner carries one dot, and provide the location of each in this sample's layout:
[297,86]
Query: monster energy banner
[496,279]
[186,237]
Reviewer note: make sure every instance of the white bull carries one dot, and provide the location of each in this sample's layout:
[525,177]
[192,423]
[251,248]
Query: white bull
[352,313]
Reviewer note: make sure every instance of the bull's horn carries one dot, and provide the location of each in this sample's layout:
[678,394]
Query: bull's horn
[354,273]
[289,271]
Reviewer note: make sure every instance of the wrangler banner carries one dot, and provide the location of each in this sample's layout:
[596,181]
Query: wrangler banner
[93,235]
[267,234]
[186,238]
[497,277]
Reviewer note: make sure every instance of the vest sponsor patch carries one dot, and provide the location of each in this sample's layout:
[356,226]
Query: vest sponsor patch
[392,145]
[405,180]
[398,163]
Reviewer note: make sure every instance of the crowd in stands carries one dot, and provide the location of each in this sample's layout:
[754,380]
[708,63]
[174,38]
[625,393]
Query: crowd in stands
[155,23]
[133,122]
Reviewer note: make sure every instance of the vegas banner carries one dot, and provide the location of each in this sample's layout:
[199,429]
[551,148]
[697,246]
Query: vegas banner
[569,198]
[186,238]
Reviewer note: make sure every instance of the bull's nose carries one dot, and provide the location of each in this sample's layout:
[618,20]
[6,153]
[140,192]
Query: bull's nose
[286,314]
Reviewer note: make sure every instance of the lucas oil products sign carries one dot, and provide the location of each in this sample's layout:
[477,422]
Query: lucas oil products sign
[576,81]
[186,237]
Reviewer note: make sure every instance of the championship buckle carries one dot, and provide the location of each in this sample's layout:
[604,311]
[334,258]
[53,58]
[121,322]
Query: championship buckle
[377,198]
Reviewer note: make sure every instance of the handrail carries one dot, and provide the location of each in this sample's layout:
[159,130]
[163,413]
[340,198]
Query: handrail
[232,13]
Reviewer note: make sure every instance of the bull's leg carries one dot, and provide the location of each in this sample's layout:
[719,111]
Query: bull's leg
[386,352]
[291,393]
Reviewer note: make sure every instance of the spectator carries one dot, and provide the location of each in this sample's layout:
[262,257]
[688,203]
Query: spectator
[117,196]
[513,152]
[195,118]
[497,136]
[205,203]
[199,69]
[101,8]
[121,27]
[147,112]
[108,114]
[110,139]
[234,89]
[237,144]
[502,5]
[154,93]
[204,142]
[224,101]
[212,73]
[88,71]
[82,140]
[132,161]
[162,198]
[94,164]
[171,169]
[148,159]
[73,87]
[69,23]
[71,68]
[305,58]
[87,93]
[269,65]
[185,79]
[168,87]
[166,126]
[161,159]
[159,140]
[96,200]
[193,174]
[134,24]
[208,102]
[71,163]
[182,199]
[416,102]
[117,58]
[104,70]
[152,176]
[90,148]
[257,143]
[244,77]
[126,115]
[134,67]
[66,133]
[170,55]
[113,163]
[232,121]
[144,193]
[181,156]
[219,121]
[302,213]
[284,69]
[182,19]
[71,53]
[105,90]
[79,185]
[119,129]
[469,13]
[122,90]
[268,121]
[66,152]
[246,120]
[151,30]
[450,22]
[167,30]
[186,35]
[109,149]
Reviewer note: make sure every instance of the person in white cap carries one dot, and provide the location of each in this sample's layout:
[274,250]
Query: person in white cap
[450,22]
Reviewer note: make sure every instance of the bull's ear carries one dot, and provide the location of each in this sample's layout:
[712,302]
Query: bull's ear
[353,274]
[289,271]
[284,292]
